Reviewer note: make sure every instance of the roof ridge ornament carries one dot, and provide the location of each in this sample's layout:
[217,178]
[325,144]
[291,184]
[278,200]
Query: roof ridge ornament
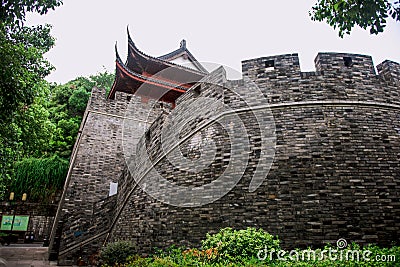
[130,38]
[127,30]
[116,52]
[183,44]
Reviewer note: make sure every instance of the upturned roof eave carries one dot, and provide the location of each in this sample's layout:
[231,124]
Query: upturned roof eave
[121,67]
[139,55]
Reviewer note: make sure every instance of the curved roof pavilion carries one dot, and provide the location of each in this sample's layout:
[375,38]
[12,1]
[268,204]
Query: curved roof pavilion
[163,78]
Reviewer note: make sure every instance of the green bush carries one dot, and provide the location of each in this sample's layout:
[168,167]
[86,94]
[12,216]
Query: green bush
[339,258]
[165,262]
[240,248]
[117,252]
[137,261]
[240,245]
[175,256]
[40,178]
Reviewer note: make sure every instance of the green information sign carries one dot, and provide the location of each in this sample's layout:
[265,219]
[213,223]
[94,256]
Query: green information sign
[6,222]
[20,223]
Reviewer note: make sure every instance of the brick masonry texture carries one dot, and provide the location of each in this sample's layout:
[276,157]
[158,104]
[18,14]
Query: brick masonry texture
[96,161]
[335,173]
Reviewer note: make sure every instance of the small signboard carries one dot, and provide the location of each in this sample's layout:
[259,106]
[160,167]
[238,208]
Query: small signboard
[20,223]
[6,222]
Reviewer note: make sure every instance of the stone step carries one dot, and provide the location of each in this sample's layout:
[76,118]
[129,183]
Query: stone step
[17,255]
[26,263]
[24,253]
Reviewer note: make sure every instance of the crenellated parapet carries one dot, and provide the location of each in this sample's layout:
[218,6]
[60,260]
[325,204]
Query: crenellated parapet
[344,65]
[338,76]
[334,171]
[389,71]
[273,67]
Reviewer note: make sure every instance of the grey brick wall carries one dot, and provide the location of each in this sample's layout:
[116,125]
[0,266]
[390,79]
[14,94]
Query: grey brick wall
[96,161]
[335,173]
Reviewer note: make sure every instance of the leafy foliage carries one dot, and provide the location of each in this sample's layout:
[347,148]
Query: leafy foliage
[22,48]
[22,69]
[179,258]
[37,119]
[67,106]
[26,134]
[137,261]
[345,14]
[39,178]
[174,256]
[14,11]
[231,242]
[234,245]
[117,252]
[48,126]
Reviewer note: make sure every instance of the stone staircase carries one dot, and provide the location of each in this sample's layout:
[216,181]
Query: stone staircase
[17,255]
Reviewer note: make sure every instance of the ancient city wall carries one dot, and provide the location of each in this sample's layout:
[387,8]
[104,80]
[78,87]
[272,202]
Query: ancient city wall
[97,160]
[334,168]
[335,173]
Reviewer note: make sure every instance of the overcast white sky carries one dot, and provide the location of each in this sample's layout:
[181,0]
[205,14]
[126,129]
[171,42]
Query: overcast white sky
[218,31]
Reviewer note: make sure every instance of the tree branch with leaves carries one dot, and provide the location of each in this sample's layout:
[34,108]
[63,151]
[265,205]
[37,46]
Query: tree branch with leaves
[345,14]
[23,122]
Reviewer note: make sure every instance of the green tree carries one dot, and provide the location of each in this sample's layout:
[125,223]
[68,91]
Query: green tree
[345,14]
[35,126]
[103,80]
[12,12]
[46,128]
[26,134]
[22,63]
[38,120]
[22,66]
[24,124]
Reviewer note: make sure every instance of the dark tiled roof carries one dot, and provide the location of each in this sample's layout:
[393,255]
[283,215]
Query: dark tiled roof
[161,82]
[163,59]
